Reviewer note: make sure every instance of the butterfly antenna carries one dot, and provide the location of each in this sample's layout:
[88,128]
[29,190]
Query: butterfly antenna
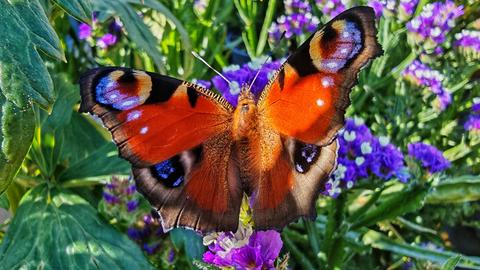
[258,72]
[208,65]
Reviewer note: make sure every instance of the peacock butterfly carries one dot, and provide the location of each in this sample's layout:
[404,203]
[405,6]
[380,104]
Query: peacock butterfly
[194,155]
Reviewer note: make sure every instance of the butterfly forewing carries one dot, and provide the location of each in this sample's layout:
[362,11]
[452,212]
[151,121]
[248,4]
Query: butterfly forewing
[309,95]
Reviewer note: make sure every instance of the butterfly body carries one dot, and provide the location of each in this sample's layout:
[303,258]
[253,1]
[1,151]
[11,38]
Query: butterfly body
[194,156]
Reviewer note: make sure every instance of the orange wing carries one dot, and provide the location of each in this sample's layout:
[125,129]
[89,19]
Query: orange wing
[152,117]
[301,111]
[178,138]
[309,95]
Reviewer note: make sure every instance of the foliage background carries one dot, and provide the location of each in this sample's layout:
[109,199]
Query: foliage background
[55,163]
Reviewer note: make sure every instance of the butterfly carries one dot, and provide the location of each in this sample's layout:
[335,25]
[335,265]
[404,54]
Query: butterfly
[194,155]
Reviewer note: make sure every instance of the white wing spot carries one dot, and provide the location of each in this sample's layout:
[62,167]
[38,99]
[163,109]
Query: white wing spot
[346,34]
[320,102]
[144,130]
[134,115]
[327,82]
[332,65]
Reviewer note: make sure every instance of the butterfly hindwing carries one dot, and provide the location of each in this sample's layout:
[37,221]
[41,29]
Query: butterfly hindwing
[177,137]
[198,188]
[318,77]
[286,177]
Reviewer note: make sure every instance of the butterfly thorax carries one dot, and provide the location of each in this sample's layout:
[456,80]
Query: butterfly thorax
[245,117]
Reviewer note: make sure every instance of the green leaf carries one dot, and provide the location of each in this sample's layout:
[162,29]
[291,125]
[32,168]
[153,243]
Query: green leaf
[190,241]
[407,200]
[103,161]
[137,31]
[80,9]
[456,190]
[17,128]
[451,263]
[382,242]
[56,229]
[25,31]
[4,201]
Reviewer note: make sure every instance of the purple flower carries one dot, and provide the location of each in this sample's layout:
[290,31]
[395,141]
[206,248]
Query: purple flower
[421,75]
[132,205]
[297,20]
[110,198]
[476,105]
[84,31]
[244,75]
[468,41]
[331,8]
[407,7]
[171,256]
[106,41]
[148,233]
[292,25]
[431,27]
[431,158]
[377,6]
[361,154]
[261,251]
[130,190]
[296,6]
[473,122]
[151,249]
[203,83]
[231,250]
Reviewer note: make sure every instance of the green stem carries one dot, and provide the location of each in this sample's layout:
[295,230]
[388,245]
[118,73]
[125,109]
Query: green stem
[334,234]
[362,210]
[299,256]
[266,24]
[313,238]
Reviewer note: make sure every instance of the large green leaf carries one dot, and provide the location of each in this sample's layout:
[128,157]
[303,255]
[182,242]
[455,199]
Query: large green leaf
[17,128]
[54,229]
[80,9]
[456,190]
[24,32]
[103,161]
[380,241]
[189,241]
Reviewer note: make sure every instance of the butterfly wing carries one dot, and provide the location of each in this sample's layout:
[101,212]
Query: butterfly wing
[318,77]
[301,111]
[159,124]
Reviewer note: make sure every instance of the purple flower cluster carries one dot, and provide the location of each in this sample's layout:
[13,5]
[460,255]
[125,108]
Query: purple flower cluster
[239,76]
[407,7]
[120,192]
[147,233]
[468,41]
[245,250]
[473,122]
[380,6]
[431,158]
[421,75]
[297,21]
[105,40]
[361,155]
[433,24]
[331,8]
